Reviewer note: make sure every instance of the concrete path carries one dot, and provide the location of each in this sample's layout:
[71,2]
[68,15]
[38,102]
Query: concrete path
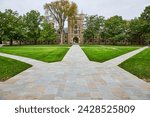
[75,77]
[1,45]
[75,54]
[116,61]
[23,59]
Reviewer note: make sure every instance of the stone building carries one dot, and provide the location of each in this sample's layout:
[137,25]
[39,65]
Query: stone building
[75,32]
[72,34]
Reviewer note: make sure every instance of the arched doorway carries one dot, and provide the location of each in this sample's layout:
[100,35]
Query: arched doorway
[75,40]
[0,41]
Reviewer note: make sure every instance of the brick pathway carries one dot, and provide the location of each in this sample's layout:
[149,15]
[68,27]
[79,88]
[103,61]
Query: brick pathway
[75,77]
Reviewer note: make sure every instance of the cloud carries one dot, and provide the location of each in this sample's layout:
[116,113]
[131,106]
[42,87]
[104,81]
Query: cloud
[126,8]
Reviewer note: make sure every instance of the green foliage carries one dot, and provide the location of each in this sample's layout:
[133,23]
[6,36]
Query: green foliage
[94,27]
[48,31]
[145,17]
[61,10]
[1,26]
[135,30]
[9,20]
[26,27]
[32,26]
[115,28]
[32,23]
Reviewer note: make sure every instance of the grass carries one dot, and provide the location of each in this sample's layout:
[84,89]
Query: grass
[43,53]
[10,67]
[100,53]
[64,45]
[139,65]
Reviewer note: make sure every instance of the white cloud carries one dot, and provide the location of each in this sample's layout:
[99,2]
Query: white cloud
[126,8]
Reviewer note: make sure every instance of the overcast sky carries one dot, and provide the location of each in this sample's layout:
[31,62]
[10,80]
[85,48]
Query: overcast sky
[107,8]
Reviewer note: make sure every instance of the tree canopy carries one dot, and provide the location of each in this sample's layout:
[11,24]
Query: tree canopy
[24,28]
[116,29]
[60,10]
[33,27]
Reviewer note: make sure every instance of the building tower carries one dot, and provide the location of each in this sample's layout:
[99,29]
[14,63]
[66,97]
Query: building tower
[75,33]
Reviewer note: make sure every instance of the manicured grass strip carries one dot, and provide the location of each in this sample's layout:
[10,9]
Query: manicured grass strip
[104,53]
[42,53]
[111,46]
[10,67]
[64,45]
[139,65]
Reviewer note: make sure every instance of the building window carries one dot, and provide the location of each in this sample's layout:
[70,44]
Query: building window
[76,27]
[75,32]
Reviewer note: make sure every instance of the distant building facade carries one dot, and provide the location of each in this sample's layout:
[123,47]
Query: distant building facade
[75,32]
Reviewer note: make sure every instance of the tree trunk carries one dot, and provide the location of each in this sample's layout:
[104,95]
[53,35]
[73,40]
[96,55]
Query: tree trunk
[48,42]
[20,42]
[25,42]
[99,41]
[35,42]
[131,42]
[11,42]
[105,41]
[1,42]
[61,37]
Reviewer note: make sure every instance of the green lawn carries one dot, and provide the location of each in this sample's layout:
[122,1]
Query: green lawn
[10,67]
[139,65]
[103,53]
[43,53]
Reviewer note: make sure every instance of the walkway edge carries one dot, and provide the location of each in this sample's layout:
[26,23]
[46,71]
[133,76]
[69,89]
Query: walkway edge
[118,60]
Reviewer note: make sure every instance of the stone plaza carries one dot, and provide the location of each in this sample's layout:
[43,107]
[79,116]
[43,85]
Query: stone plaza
[75,77]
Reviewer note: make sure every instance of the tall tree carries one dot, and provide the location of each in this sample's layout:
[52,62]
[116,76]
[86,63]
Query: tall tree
[94,27]
[10,19]
[60,10]
[1,26]
[135,30]
[48,32]
[115,28]
[32,23]
[20,30]
[145,17]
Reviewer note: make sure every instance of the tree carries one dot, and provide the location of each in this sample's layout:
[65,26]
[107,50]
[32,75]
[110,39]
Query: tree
[9,21]
[115,28]
[1,26]
[32,21]
[145,17]
[48,32]
[135,30]
[94,27]
[60,10]
[20,30]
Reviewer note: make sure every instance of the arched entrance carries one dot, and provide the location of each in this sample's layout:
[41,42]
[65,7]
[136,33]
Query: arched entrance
[75,40]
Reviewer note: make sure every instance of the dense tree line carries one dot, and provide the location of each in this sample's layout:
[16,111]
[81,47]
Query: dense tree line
[116,29]
[32,27]
[29,27]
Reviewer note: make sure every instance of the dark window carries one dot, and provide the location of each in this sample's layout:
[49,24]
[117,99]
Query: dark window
[75,32]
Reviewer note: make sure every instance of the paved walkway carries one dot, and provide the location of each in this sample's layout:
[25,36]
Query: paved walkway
[23,59]
[75,77]
[1,45]
[116,61]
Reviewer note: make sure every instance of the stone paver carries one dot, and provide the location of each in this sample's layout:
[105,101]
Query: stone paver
[75,77]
